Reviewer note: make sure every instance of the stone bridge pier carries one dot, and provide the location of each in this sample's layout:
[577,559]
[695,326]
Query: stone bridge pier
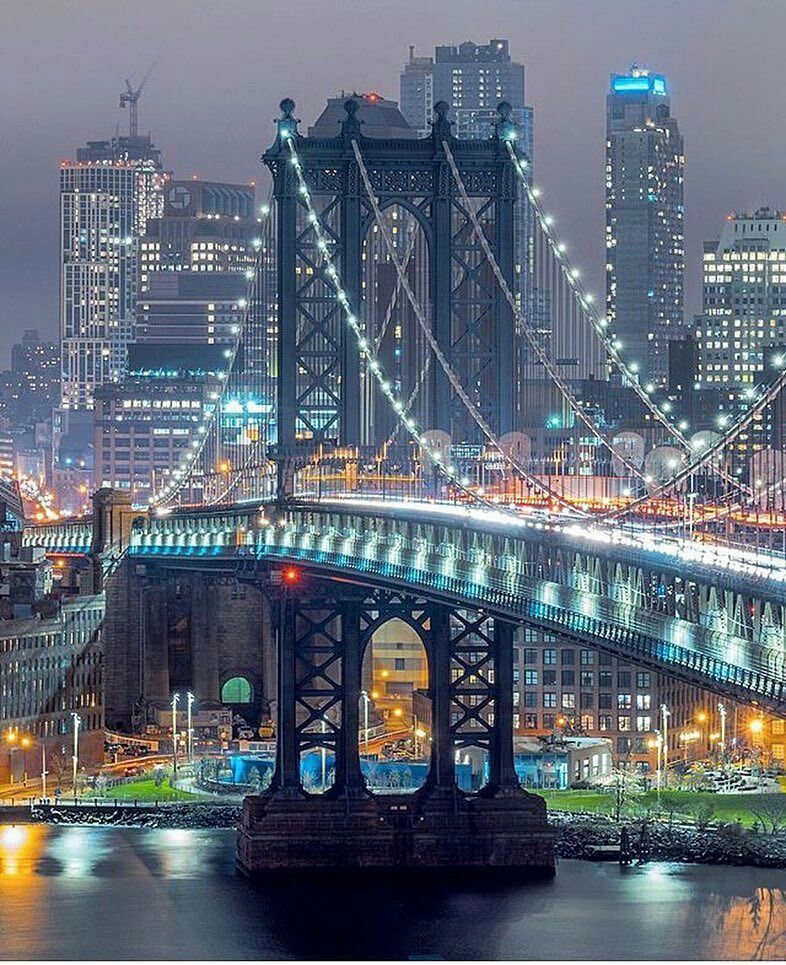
[173,630]
[322,629]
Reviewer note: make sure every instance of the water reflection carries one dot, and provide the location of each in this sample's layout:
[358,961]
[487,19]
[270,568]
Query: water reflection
[61,888]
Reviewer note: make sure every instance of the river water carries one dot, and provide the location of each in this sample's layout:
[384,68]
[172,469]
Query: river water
[120,893]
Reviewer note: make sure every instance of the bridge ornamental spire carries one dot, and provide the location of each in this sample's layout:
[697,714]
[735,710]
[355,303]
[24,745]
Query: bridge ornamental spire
[504,126]
[350,126]
[287,123]
[441,126]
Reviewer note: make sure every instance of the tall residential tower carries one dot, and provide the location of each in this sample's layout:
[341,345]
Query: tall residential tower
[106,198]
[473,79]
[644,220]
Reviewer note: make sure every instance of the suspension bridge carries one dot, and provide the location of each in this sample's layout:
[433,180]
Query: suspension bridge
[410,303]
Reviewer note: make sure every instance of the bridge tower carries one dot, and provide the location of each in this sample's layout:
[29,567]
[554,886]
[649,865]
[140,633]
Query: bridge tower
[320,384]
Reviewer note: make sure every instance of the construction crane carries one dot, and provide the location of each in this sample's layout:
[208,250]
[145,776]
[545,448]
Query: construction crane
[131,98]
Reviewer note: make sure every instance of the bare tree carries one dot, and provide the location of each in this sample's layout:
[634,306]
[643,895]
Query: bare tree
[625,785]
[771,812]
[57,763]
[703,814]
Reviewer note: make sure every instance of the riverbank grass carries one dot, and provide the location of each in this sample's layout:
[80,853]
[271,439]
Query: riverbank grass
[148,791]
[745,808]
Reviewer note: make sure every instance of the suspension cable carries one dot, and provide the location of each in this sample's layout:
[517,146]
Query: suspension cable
[210,419]
[768,396]
[541,353]
[571,276]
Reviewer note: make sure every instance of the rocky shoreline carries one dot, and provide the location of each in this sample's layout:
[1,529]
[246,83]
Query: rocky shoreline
[649,840]
[579,836]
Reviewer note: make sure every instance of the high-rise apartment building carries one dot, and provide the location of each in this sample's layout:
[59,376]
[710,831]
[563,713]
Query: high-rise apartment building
[189,306]
[416,83]
[644,220]
[32,386]
[741,332]
[107,197]
[743,321]
[473,79]
[144,425]
[205,226]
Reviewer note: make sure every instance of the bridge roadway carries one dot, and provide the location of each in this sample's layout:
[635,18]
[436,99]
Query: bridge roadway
[711,615]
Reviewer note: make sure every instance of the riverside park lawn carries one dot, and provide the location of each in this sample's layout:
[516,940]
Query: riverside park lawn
[726,807]
[146,792]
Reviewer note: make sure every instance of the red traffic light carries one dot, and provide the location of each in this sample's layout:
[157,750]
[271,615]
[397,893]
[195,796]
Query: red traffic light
[291,574]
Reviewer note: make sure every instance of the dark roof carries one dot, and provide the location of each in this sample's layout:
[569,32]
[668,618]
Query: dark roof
[175,357]
[378,117]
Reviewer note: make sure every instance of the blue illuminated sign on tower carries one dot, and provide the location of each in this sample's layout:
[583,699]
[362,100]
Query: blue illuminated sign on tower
[639,84]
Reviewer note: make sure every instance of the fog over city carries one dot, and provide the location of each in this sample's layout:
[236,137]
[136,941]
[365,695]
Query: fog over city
[220,69]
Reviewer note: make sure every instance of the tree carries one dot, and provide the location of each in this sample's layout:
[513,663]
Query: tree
[771,812]
[703,814]
[625,785]
[57,763]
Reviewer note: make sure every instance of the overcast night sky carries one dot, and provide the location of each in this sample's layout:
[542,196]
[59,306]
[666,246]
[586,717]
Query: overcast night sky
[221,67]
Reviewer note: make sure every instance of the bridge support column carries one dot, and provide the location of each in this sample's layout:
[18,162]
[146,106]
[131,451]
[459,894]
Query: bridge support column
[204,643]
[286,779]
[442,775]
[502,770]
[349,777]
[439,826]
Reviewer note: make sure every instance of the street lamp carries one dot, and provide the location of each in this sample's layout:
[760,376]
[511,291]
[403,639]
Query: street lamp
[44,771]
[365,698]
[657,742]
[701,718]
[722,712]
[665,713]
[190,731]
[75,755]
[175,700]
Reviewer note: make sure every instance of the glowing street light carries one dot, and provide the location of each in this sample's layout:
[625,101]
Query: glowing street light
[75,755]
[175,701]
[722,712]
[366,701]
[665,713]
[190,730]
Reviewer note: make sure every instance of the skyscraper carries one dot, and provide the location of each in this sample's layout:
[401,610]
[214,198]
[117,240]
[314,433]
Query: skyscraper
[206,226]
[106,198]
[741,333]
[644,220]
[473,79]
[417,91]
[33,384]
[744,303]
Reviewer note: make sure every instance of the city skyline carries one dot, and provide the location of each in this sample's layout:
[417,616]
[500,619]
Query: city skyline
[223,125]
[392,480]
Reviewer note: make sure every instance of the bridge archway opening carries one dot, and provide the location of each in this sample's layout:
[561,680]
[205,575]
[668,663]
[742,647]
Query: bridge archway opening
[392,323]
[237,691]
[394,731]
